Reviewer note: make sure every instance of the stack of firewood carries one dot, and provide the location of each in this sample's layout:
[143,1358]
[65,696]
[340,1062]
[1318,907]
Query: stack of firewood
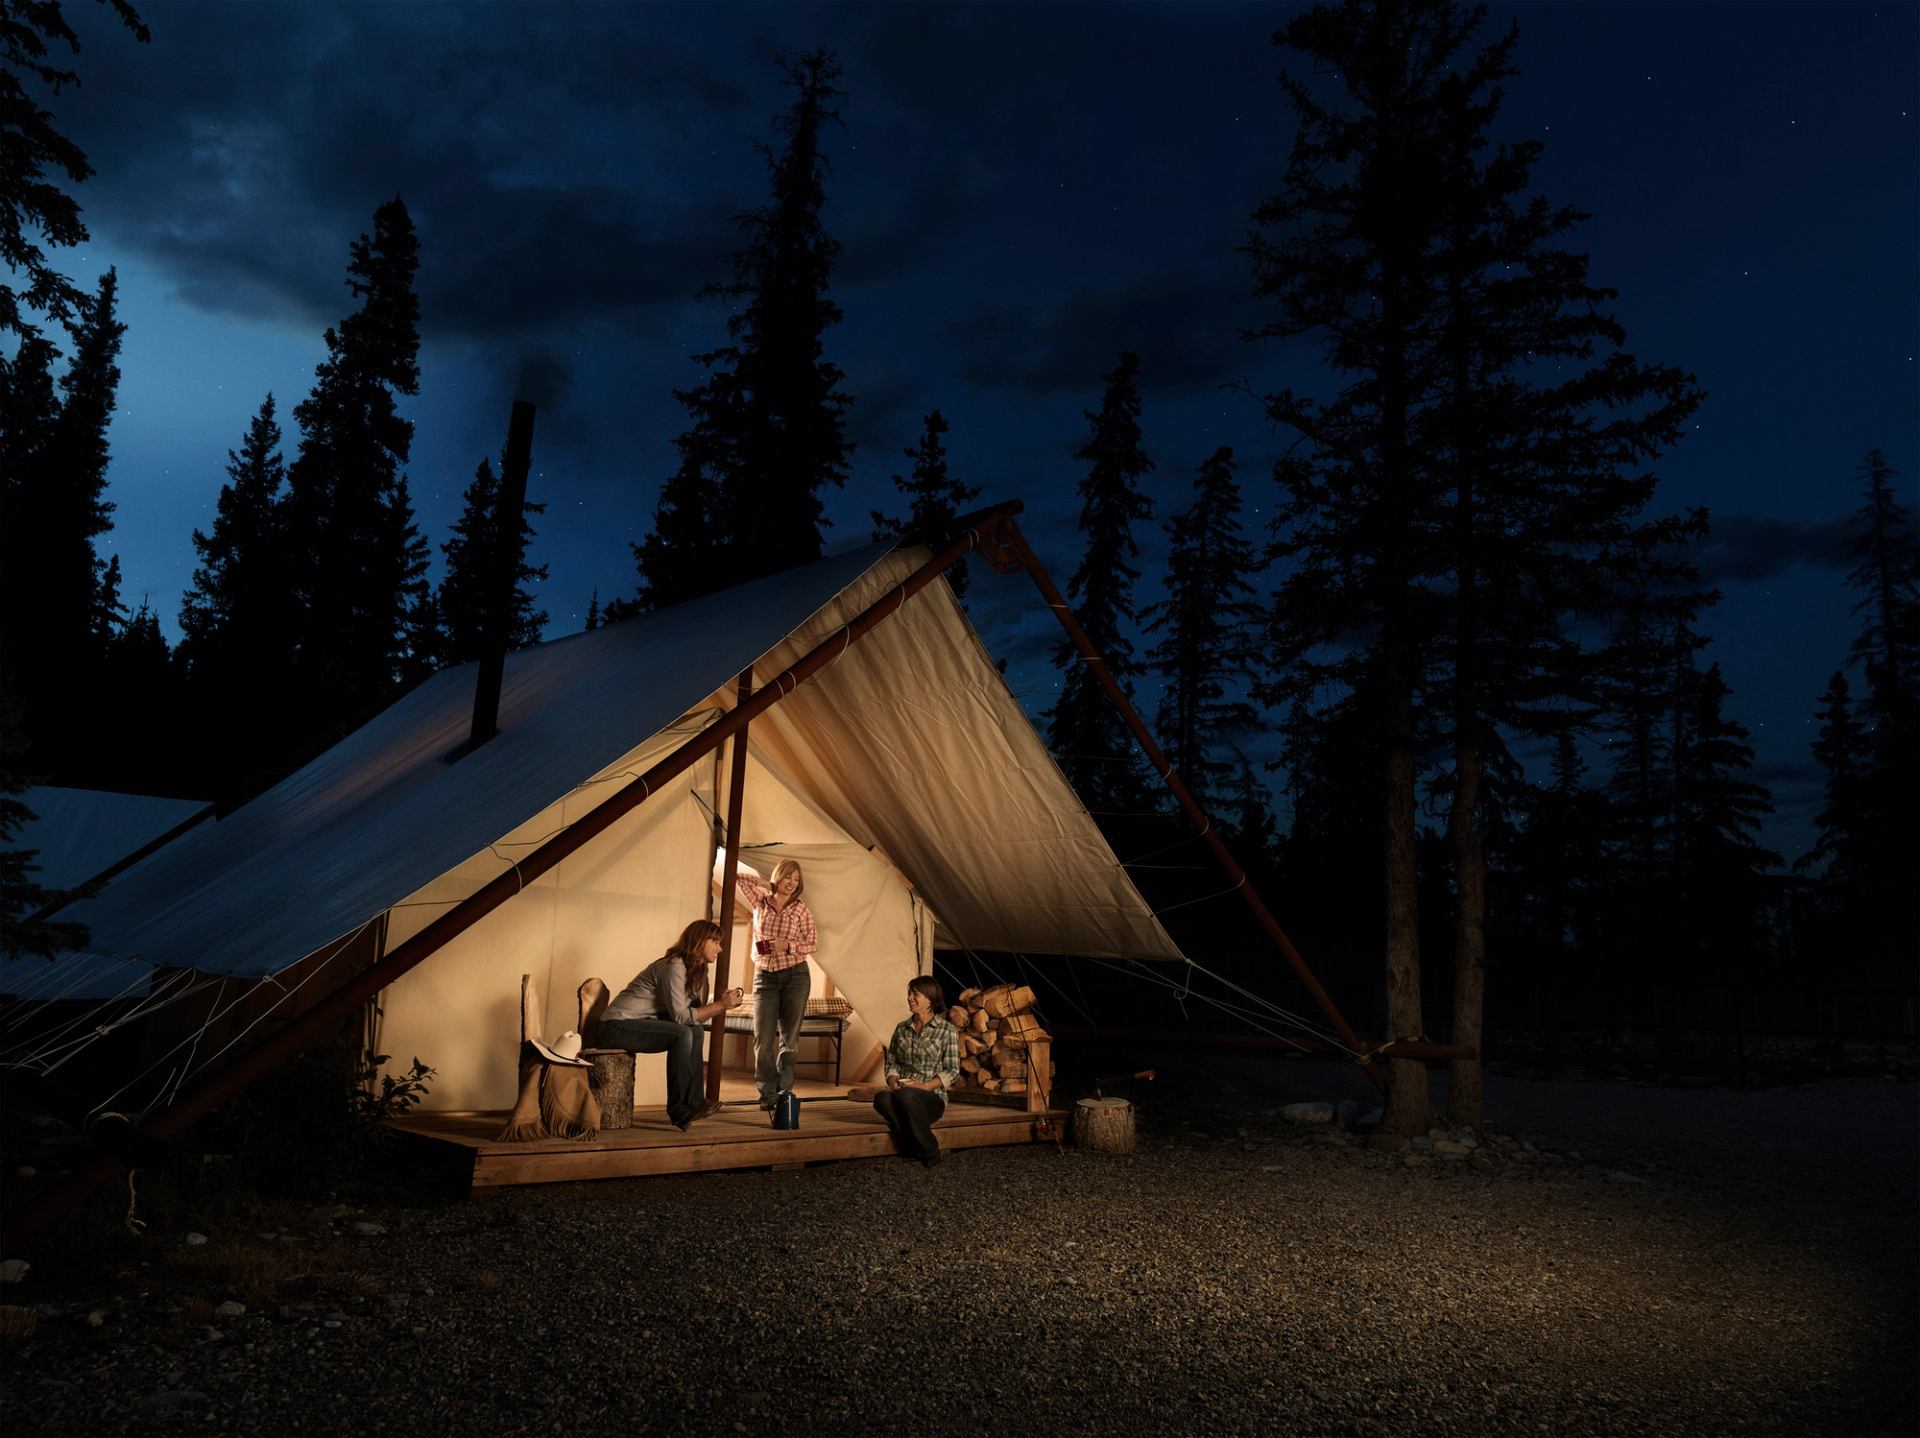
[996,1026]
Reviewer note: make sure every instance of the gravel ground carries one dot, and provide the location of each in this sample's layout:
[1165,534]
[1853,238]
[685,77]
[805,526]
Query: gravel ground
[1660,1262]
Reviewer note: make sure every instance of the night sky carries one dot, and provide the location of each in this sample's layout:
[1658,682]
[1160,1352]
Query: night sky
[1021,193]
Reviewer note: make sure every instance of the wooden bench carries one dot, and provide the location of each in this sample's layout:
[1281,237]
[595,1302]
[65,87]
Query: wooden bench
[824,1019]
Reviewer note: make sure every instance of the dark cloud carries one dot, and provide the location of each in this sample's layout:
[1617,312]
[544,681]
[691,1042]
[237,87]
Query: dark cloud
[886,418]
[1743,548]
[563,170]
[1185,328]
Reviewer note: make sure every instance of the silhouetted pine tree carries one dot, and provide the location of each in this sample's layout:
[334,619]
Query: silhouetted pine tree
[1720,869]
[34,210]
[464,596]
[593,612]
[1344,251]
[359,563]
[1206,660]
[934,497]
[56,507]
[1540,442]
[1085,732]
[767,429]
[1886,575]
[140,748]
[237,621]
[1841,855]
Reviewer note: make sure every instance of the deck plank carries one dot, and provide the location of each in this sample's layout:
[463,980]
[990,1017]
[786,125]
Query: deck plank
[832,1128]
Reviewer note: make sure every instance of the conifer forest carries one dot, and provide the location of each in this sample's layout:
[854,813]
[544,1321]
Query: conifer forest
[1433,639]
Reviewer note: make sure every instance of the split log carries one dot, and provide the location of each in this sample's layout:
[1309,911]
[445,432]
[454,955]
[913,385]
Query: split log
[967,996]
[1009,1063]
[611,1080]
[1021,1030]
[978,1023]
[1104,1125]
[1013,1085]
[958,1016]
[987,1081]
[969,1045]
[970,1065]
[1006,1000]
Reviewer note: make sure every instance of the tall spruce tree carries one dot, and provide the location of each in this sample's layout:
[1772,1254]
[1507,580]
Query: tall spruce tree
[1544,483]
[767,426]
[1206,659]
[1841,855]
[471,559]
[1085,732]
[34,210]
[359,565]
[1344,251]
[236,622]
[56,509]
[1720,868]
[1458,504]
[1886,575]
[934,497]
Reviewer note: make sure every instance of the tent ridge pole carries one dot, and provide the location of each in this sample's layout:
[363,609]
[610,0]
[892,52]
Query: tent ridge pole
[215,1088]
[1011,540]
[729,872]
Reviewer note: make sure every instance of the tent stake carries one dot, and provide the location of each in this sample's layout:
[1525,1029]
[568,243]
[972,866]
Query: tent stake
[1011,541]
[214,1089]
[730,870]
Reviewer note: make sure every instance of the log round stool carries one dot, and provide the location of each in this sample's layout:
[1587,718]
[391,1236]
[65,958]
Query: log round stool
[612,1084]
[1104,1125]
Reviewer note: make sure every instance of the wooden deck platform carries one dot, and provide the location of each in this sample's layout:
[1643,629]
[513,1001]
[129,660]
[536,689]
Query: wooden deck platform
[739,1136]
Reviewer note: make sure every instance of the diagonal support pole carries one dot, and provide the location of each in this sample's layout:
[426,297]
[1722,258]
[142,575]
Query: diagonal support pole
[729,890]
[213,1089]
[1010,549]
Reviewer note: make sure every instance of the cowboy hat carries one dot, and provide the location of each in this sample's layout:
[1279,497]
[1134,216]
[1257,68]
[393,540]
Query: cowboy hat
[565,1050]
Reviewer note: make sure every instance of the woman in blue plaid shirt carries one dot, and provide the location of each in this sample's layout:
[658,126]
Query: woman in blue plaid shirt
[923,1062]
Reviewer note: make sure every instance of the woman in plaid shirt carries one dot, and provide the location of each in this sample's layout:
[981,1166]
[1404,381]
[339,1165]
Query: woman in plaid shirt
[784,938]
[923,1062]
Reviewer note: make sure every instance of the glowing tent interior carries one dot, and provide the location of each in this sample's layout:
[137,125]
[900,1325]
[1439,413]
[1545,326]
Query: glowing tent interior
[908,741]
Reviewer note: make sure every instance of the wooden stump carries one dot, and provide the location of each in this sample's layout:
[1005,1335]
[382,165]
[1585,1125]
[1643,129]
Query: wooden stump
[1104,1125]
[612,1083]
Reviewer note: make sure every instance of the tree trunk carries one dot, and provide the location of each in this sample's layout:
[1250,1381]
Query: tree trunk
[1469,939]
[1407,1097]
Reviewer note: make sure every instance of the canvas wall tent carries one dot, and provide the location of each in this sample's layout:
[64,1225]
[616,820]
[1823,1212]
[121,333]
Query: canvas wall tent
[910,741]
[79,833]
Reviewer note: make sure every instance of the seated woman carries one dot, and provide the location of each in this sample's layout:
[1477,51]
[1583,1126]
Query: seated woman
[923,1062]
[663,1010]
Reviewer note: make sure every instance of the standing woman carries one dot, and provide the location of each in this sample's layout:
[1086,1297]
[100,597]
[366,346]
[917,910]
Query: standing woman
[923,1062]
[665,1009]
[784,938]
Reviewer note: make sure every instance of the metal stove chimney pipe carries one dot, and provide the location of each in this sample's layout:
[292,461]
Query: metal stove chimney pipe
[508,513]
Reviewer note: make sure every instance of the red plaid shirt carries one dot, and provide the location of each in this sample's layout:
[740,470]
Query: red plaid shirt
[794,922]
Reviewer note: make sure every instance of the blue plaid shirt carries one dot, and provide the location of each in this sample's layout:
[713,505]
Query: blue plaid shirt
[929,1053]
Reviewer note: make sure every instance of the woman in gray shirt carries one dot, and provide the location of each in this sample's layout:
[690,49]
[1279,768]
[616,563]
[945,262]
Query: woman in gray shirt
[663,1011]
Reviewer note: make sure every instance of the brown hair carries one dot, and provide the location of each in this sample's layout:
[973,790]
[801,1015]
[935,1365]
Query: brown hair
[930,986]
[686,948]
[799,879]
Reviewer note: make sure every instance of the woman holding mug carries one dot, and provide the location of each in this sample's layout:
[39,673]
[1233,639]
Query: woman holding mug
[665,1009]
[784,938]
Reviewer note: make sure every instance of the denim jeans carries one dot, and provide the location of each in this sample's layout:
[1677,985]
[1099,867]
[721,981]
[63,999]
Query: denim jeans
[681,1043]
[779,1003]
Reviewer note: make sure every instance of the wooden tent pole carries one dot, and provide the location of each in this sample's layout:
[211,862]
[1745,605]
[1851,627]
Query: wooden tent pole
[729,871]
[213,1089]
[1010,539]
